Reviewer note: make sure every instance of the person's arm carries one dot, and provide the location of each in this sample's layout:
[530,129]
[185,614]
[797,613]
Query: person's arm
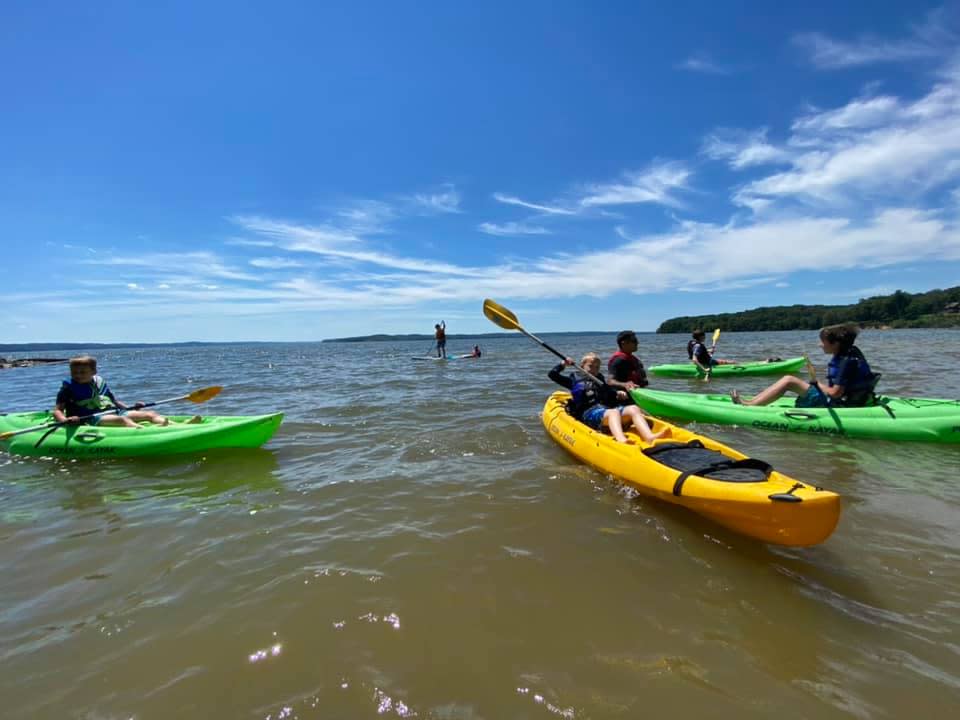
[107,392]
[61,404]
[556,374]
[831,391]
[620,369]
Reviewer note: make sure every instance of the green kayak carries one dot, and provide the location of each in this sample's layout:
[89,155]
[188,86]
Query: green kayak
[761,367]
[892,418]
[88,441]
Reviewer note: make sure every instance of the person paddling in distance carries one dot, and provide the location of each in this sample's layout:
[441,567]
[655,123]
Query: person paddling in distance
[86,393]
[476,351]
[627,370]
[850,381]
[441,337]
[700,355]
[598,405]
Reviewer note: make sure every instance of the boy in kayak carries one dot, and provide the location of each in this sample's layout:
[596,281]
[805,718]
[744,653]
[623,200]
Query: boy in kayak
[700,355]
[850,381]
[625,367]
[598,405]
[86,393]
[441,337]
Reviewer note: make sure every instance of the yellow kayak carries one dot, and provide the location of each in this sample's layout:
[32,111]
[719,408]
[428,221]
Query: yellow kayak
[740,493]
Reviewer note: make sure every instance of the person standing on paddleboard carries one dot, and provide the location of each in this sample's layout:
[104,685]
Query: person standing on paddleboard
[626,370]
[441,337]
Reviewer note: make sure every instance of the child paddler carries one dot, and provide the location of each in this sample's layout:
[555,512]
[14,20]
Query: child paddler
[598,405]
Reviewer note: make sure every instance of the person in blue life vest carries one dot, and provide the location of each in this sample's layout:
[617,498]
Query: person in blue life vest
[850,381]
[702,356]
[86,393]
[440,335]
[626,370]
[599,405]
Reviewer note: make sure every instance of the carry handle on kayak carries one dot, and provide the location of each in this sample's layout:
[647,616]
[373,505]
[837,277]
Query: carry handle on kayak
[197,396]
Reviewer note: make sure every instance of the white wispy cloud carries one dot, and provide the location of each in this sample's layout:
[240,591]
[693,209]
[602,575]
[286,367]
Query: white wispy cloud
[193,264]
[548,209]
[702,63]
[275,263]
[444,201]
[512,228]
[654,184]
[331,243]
[744,149]
[880,148]
[933,38]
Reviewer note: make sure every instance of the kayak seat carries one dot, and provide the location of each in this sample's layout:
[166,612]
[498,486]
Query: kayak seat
[694,459]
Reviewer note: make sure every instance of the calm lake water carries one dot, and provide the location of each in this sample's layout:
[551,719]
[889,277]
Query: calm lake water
[413,544]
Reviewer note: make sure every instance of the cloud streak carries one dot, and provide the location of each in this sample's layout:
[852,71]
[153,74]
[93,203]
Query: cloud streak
[511,228]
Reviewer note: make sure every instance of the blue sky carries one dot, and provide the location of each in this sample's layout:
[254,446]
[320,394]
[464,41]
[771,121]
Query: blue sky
[296,171]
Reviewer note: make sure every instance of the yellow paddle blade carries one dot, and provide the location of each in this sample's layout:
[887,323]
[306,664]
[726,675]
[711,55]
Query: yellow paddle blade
[204,394]
[716,335]
[499,315]
[811,371]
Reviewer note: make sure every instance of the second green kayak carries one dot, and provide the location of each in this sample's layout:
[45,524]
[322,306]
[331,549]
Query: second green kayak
[90,441]
[761,367]
[892,418]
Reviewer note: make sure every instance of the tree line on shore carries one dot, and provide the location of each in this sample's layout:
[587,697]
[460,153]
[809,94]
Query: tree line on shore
[935,308]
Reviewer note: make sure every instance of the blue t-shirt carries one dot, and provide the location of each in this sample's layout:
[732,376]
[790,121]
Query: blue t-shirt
[85,399]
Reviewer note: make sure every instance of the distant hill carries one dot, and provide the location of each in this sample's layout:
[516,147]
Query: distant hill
[936,308]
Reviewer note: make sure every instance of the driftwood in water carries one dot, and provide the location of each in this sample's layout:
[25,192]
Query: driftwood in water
[29,362]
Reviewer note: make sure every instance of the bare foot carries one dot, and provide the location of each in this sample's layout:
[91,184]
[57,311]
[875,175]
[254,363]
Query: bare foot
[665,433]
[195,420]
[166,421]
[625,441]
[735,396]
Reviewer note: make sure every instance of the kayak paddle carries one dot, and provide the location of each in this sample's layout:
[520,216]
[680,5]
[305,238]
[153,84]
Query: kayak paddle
[811,371]
[197,396]
[499,315]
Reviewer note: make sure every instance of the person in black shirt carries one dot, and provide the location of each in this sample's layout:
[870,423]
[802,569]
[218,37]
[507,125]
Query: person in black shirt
[627,370]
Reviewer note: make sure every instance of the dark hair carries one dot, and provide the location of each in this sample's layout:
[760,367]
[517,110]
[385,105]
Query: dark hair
[698,334]
[625,335]
[841,335]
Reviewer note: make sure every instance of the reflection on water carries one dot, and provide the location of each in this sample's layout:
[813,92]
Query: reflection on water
[412,544]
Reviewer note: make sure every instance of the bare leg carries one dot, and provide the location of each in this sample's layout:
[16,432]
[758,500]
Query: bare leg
[116,421]
[632,413]
[149,415]
[775,391]
[611,418]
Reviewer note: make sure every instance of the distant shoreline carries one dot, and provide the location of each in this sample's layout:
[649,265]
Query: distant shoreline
[43,346]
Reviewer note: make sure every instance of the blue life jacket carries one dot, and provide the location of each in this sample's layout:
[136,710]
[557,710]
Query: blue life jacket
[851,371]
[84,399]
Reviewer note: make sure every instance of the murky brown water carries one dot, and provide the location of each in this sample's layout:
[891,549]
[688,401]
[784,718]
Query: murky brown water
[413,544]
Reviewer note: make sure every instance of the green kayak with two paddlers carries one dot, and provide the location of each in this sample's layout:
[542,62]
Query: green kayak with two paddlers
[760,367]
[889,418]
